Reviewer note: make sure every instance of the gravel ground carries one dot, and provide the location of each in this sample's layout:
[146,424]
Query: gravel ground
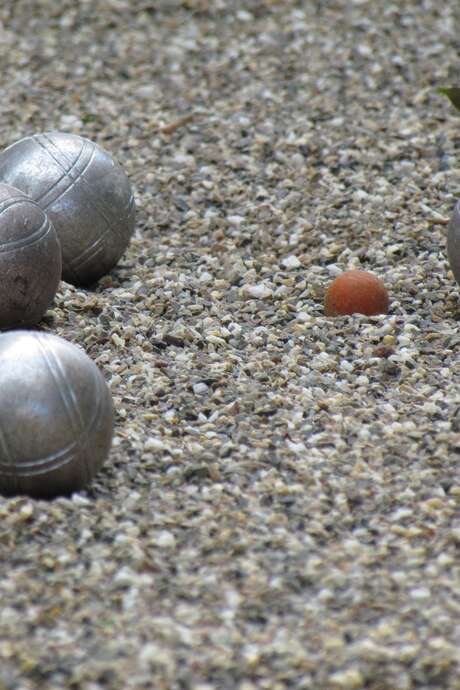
[281,506]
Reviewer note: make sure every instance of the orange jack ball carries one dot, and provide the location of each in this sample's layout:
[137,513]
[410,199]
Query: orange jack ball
[356,292]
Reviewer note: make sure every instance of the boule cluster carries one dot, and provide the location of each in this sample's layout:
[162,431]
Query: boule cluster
[66,210]
[85,193]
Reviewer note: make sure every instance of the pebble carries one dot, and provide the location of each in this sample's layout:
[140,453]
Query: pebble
[258,291]
[291,261]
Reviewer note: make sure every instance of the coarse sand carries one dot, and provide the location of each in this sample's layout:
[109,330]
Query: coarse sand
[281,508]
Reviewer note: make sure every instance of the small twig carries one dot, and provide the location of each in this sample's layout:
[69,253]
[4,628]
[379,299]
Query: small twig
[169,129]
[433,216]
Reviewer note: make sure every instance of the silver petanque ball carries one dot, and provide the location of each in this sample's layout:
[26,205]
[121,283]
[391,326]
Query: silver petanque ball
[86,194]
[56,415]
[453,242]
[30,260]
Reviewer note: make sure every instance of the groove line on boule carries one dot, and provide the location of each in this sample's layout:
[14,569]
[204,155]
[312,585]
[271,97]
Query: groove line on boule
[70,174]
[63,176]
[65,388]
[80,260]
[62,387]
[70,402]
[65,455]
[29,241]
[5,205]
[98,205]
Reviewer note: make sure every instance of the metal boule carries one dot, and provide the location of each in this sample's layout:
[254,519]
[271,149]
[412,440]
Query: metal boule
[85,193]
[453,242]
[30,260]
[56,416]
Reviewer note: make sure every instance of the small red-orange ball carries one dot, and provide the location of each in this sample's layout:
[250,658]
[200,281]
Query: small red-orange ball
[356,292]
